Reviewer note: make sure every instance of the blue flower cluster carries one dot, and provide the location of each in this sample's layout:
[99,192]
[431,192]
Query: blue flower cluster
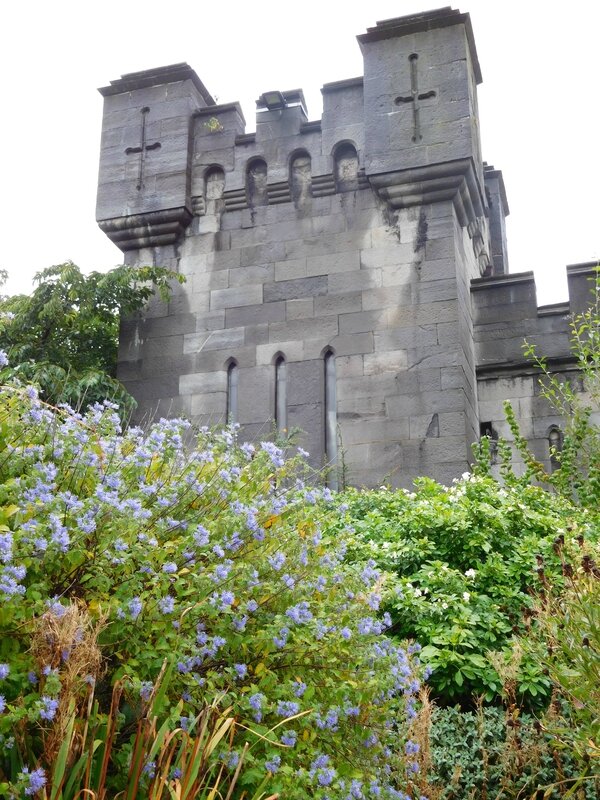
[213,559]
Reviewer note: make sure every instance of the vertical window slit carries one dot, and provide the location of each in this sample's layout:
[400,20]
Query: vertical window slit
[281,395]
[331,421]
[232,393]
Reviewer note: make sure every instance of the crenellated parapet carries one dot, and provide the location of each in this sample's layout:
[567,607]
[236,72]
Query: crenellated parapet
[407,130]
[506,314]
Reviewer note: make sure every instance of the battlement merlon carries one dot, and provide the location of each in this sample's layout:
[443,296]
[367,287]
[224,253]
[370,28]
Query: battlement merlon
[425,21]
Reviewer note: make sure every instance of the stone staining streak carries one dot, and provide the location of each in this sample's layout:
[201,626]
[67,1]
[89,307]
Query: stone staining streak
[142,149]
[414,97]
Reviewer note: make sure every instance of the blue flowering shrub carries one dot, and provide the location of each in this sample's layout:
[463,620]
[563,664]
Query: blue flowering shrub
[169,570]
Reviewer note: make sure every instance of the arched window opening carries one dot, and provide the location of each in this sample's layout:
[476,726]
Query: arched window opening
[232,393]
[300,178]
[281,395]
[331,420]
[256,183]
[214,183]
[346,168]
[555,445]
[487,429]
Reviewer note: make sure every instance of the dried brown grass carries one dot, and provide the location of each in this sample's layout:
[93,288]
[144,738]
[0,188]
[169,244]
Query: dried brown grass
[69,644]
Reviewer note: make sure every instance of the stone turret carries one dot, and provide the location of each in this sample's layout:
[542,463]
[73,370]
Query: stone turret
[143,182]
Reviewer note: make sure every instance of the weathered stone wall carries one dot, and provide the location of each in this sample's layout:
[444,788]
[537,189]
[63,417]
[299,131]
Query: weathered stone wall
[360,234]
[506,316]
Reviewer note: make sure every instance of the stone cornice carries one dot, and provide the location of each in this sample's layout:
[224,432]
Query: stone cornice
[152,229]
[450,180]
[157,77]
[494,281]
[490,172]
[346,83]
[587,268]
[220,108]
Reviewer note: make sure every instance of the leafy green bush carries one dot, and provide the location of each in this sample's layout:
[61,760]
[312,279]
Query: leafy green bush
[130,556]
[463,564]
[65,335]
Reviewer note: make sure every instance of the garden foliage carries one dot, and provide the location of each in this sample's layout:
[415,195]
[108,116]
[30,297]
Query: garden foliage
[577,401]
[495,754]
[463,565]
[64,336]
[570,628]
[146,577]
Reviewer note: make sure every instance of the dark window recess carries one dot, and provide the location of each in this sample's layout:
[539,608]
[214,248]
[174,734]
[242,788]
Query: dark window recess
[487,429]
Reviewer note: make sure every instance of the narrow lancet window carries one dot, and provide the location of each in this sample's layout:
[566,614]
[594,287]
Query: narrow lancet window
[330,421]
[232,393]
[281,395]
[555,445]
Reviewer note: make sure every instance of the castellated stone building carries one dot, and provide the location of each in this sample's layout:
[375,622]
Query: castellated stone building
[347,276]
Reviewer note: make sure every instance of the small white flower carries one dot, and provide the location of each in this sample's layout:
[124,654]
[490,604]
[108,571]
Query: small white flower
[466,597]
[444,605]
[470,573]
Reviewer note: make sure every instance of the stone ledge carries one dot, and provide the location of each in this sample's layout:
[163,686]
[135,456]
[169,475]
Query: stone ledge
[452,180]
[586,268]
[494,281]
[153,229]
[524,367]
[221,108]
[347,83]
[156,77]
[554,310]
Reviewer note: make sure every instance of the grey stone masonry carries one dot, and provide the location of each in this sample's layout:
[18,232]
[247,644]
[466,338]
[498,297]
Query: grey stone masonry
[375,235]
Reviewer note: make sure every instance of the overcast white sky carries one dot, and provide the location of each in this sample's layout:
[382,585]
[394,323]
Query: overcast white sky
[538,102]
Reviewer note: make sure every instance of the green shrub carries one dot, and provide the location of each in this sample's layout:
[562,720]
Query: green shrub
[463,565]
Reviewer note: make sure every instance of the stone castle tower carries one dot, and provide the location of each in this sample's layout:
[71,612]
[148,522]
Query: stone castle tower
[346,276]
